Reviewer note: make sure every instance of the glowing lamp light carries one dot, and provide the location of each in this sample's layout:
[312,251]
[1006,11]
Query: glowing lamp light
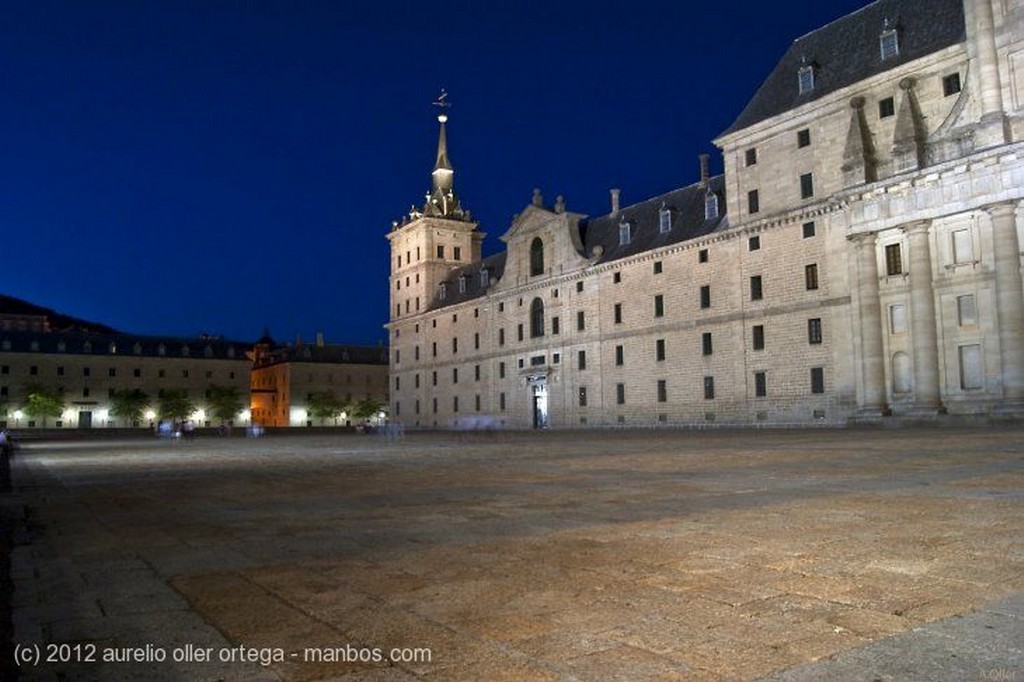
[150,414]
[18,414]
[199,415]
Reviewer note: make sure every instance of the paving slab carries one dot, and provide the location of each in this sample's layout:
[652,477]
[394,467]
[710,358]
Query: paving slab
[731,555]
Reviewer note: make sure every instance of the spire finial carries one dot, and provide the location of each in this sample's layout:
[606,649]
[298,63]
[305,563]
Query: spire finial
[442,103]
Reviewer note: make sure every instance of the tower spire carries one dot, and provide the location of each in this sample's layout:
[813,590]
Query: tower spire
[442,201]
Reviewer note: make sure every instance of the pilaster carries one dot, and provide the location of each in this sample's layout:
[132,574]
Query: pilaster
[869,319]
[1009,298]
[922,307]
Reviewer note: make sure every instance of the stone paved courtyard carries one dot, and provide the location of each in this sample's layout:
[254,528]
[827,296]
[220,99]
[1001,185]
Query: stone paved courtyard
[589,556]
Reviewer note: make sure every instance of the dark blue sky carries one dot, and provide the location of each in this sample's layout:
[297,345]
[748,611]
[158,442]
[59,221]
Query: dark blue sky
[186,166]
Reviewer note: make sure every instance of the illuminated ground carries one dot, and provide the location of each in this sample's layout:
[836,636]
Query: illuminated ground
[600,555]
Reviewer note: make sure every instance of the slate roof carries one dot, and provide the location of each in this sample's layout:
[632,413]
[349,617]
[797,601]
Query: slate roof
[847,50]
[88,343]
[686,206]
[333,354]
[474,288]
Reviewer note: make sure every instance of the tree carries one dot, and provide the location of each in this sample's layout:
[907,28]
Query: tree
[324,406]
[174,404]
[225,403]
[128,405]
[42,402]
[366,408]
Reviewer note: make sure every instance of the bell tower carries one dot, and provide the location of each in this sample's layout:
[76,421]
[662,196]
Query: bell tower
[431,241]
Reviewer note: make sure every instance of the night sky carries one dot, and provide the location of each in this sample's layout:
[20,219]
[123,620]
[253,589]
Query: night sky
[201,166]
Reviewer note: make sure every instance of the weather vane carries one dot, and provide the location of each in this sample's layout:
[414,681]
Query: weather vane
[442,100]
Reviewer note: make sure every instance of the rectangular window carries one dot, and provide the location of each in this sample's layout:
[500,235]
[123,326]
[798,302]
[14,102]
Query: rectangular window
[619,355]
[753,202]
[433,348]
[756,291]
[86,372]
[616,277]
[702,256]
[893,260]
[659,350]
[808,230]
[416,380]
[662,391]
[618,313]
[440,250]
[583,396]
[455,375]
[709,388]
[705,296]
[972,371]
[811,276]
[806,185]
[664,221]
[966,310]
[476,372]
[886,107]
[580,321]
[501,337]
[805,79]
[555,325]
[817,379]
[760,384]
[963,250]
[455,345]
[477,402]
[60,371]
[620,394]
[501,401]
[814,330]
[433,377]
[501,370]
[803,138]
[659,306]
[457,252]
[951,84]
[657,267]
[705,342]
[112,372]
[581,359]
[751,156]
[519,331]
[137,373]
[476,340]
[889,44]
[754,243]
[624,234]
[579,287]
[34,370]
[757,337]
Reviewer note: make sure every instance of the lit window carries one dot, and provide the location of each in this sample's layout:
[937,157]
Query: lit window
[710,206]
[805,79]
[889,44]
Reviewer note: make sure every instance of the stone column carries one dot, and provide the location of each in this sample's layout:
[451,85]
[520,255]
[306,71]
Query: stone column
[922,309]
[982,46]
[1009,298]
[869,319]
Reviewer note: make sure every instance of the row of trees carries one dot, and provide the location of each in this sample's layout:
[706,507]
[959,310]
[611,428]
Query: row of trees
[224,403]
[130,405]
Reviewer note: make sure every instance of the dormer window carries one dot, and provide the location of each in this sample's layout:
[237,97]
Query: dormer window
[61,346]
[485,278]
[710,206]
[889,43]
[137,348]
[112,349]
[462,284]
[442,290]
[625,233]
[161,349]
[664,220]
[185,351]
[805,79]
[87,347]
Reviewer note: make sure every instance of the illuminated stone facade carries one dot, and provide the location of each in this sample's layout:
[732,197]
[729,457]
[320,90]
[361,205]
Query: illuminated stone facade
[859,257]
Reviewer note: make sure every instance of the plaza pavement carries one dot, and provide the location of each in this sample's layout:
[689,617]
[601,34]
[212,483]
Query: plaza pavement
[719,555]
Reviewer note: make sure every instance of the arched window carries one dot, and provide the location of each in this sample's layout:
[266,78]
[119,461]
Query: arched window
[537,318]
[536,257]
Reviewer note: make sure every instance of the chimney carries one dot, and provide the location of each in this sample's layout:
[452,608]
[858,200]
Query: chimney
[615,202]
[703,169]
[319,339]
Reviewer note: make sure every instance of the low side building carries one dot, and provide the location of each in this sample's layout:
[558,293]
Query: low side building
[285,379]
